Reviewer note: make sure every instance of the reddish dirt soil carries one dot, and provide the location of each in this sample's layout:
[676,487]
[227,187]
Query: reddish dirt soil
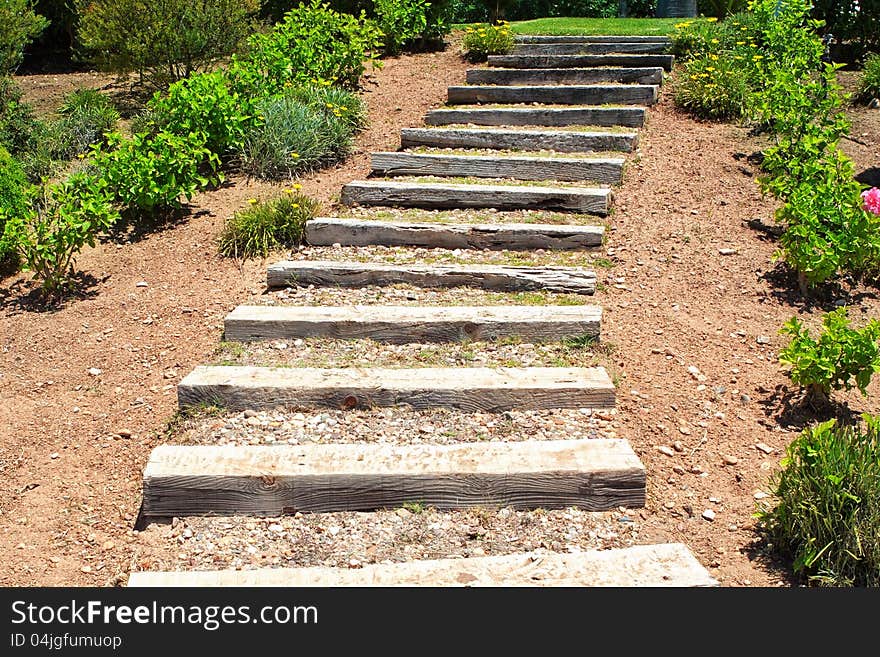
[73,444]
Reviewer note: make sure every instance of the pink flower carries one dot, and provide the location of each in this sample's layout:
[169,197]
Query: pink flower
[872,200]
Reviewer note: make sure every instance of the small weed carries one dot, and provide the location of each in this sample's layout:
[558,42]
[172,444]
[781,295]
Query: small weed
[416,508]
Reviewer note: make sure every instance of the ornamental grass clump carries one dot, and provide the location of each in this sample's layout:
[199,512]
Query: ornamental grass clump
[264,226]
[480,42]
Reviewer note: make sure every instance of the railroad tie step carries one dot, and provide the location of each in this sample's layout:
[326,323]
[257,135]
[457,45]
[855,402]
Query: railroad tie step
[581,61]
[326,231]
[661,565]
[198,480]
[566,94]
[628,116]
[545,76]
[594,200]
[592,48]
[563,141]
[605,170]
[405,324]
[471,389]
[500,278]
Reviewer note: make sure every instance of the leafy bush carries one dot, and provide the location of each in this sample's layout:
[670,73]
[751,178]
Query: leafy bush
[263,227]
[203,103]
[86,114]
[312,44]
[694,38]
[163,41]
[297,134]
[19,25]
[148,174]
[68,216]
[14,202]
[841,357]
[827,516]
[869,84]
[713,87]
[18,125]
[480,42]
[411,24]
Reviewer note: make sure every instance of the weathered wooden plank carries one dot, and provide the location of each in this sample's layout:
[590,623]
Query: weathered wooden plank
[471,389]
[403,324]
[330,273]
[545,76]
[535,140]
[669,564]
[593,48]
[633,117]
[570,38]
[326,231]
[598,170]
[581,61]
[591,94]
[597,475]
[594,200]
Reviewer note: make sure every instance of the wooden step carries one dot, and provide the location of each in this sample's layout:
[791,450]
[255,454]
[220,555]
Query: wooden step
[581,61]
[404,324]
[570,38]
[326,231]
[545,76]
[528,140]
[592,94]
[330,273]
[593,48]
[594,200]
[598,170]
[593,474]
[470,389]
[632,117]
[663,565]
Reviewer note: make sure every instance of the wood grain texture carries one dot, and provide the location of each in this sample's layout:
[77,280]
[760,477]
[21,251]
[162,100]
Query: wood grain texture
[328,273]
[326,231]
[552,140]
[581,61]
[404,324]
[451,195]
[597,475]
[471,389]
[592,48]
[632,117]
[663,565]
[570,38]
[592,94]
[545,76]
[598,170]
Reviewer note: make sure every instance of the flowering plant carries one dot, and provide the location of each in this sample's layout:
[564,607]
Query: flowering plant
[871,200]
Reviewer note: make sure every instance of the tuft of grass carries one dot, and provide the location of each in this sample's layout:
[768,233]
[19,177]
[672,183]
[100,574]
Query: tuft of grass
[85,115]
[416,507]
[827,514]
[597,26]
[265,226]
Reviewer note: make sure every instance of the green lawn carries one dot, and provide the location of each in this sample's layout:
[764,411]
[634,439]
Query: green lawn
[590,26]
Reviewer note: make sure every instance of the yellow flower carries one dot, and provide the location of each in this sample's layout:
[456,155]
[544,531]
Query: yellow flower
[295,205]
[757,57]
[330,105]
[715,41]
[740,43]
[710,68]
[297,186]
[252,201]
[294,156]
[288,191]
[711,19]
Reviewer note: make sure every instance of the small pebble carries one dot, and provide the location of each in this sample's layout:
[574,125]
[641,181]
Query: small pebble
[729,459]
[709,515]
[764,447]
[663,449]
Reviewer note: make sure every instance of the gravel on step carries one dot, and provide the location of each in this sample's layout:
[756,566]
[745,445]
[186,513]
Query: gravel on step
[472,216]
[351,540]
[395,426]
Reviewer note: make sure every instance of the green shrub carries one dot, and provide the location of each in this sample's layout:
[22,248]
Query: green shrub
[827,513]
[86,114]
[841,357]
[339,105]
[411,24]
[263,227]
[312,44]
[695,38]
[163,41]
[869,83]
[203,103]
[296,134]
[19,25]
[148,174]
[713,87]
[481,41]
[14,202]
[66,217]
[18,125]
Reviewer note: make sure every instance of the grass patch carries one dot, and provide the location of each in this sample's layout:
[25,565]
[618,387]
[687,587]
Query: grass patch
[827,516]
[265,226]
[597,26]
